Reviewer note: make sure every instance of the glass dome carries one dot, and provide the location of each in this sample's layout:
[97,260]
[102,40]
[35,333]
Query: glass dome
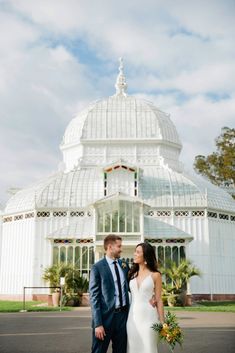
[121,118]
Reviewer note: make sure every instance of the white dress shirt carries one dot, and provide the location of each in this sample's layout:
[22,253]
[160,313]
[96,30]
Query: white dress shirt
[122,278]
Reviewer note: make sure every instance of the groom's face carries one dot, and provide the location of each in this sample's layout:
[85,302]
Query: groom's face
[116,249]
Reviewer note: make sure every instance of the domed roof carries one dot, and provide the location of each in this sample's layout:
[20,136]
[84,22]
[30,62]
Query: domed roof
[121,117]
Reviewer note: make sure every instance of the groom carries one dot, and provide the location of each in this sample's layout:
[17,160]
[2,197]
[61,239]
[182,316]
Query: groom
[109,299]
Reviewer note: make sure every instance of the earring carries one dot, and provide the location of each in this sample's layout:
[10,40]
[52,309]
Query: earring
[145,262]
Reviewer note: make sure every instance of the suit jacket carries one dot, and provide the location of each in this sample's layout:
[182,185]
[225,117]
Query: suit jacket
[102,292]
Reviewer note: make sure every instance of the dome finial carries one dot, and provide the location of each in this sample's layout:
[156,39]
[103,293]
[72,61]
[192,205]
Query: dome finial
[121,84]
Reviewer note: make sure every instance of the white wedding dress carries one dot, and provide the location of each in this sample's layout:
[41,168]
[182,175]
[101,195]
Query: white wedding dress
[141,338]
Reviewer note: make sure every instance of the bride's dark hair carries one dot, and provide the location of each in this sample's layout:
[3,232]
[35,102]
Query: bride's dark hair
[150,258]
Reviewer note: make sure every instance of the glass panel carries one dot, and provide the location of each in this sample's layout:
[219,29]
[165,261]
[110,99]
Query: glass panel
[167,254]
[85,274]
[136,218]
[62,254]
[84,257]
[121,216]
[55,255]
[175,257]
[182,253]
[100,221]
[118,216]
[115,221]
[129,218]
[160,255]
[91,256]
[70,255]
[107,222]
[77,256]
[167,259]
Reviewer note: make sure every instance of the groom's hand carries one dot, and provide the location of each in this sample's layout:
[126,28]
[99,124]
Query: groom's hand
[153,301]
[100,332]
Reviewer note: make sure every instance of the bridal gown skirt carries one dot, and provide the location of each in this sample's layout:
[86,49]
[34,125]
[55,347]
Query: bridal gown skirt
[140,336]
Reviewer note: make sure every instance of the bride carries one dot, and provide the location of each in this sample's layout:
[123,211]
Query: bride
[145,281]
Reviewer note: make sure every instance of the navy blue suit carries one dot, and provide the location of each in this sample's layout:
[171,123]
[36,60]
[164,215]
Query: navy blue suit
[102,299]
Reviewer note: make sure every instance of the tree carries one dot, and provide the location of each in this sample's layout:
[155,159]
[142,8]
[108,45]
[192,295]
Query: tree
[177,280]
[219,166]
[75,284]
[179,275]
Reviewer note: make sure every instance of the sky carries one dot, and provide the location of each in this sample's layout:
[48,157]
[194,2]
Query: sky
[56,56]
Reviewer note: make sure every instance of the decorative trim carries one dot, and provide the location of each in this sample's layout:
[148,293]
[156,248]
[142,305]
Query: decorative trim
[181,241]
[59,214]
[29,215]
[18,217]
[212,214]
[84,241]
[224,216]
[181,213]
[63,241]
[43,214]
[7,219]
[198,213]
[77,213]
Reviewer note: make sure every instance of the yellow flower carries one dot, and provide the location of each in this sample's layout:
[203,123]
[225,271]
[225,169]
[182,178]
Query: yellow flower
[168,338]
[165,326]
[163,333]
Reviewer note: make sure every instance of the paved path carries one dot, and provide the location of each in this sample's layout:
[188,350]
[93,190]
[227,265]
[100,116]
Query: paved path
[69,332]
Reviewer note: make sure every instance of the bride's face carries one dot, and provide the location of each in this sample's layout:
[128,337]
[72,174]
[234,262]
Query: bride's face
[139,255]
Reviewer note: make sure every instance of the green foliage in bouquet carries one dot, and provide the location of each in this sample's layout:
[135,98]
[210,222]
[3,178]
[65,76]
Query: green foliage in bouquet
[169,332]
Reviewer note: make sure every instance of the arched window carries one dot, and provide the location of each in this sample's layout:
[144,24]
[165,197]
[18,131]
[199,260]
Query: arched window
[182,253]
[85,259]
[55,255]
[77,258]
[160,255]
[91,256]
[167,254]
[70,255]
[62,254]
[175,254]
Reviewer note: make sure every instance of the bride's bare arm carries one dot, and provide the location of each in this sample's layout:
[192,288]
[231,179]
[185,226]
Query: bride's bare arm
[158,295]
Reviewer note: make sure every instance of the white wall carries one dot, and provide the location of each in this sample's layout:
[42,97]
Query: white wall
[222,250]
[16,269]
[212,250]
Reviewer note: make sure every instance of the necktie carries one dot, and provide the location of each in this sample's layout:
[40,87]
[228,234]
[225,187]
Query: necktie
[118,282]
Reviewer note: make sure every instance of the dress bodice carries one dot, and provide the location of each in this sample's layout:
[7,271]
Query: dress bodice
[144,290]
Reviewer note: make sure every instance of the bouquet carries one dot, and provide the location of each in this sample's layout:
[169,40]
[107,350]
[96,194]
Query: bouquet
[169,332]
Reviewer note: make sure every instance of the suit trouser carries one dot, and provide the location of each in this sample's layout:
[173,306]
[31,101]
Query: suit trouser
[115,333]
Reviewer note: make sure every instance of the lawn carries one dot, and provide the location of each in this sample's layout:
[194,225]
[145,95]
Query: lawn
[226,306]
[16,306]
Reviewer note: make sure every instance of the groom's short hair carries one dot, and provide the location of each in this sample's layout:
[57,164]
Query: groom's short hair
[110,239]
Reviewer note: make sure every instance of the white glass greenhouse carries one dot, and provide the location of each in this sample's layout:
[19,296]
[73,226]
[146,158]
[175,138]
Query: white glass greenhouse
[121,175]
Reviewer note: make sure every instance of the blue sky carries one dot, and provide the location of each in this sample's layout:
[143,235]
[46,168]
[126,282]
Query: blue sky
[57,56]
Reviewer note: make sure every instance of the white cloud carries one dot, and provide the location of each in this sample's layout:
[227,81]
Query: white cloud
[179,54]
